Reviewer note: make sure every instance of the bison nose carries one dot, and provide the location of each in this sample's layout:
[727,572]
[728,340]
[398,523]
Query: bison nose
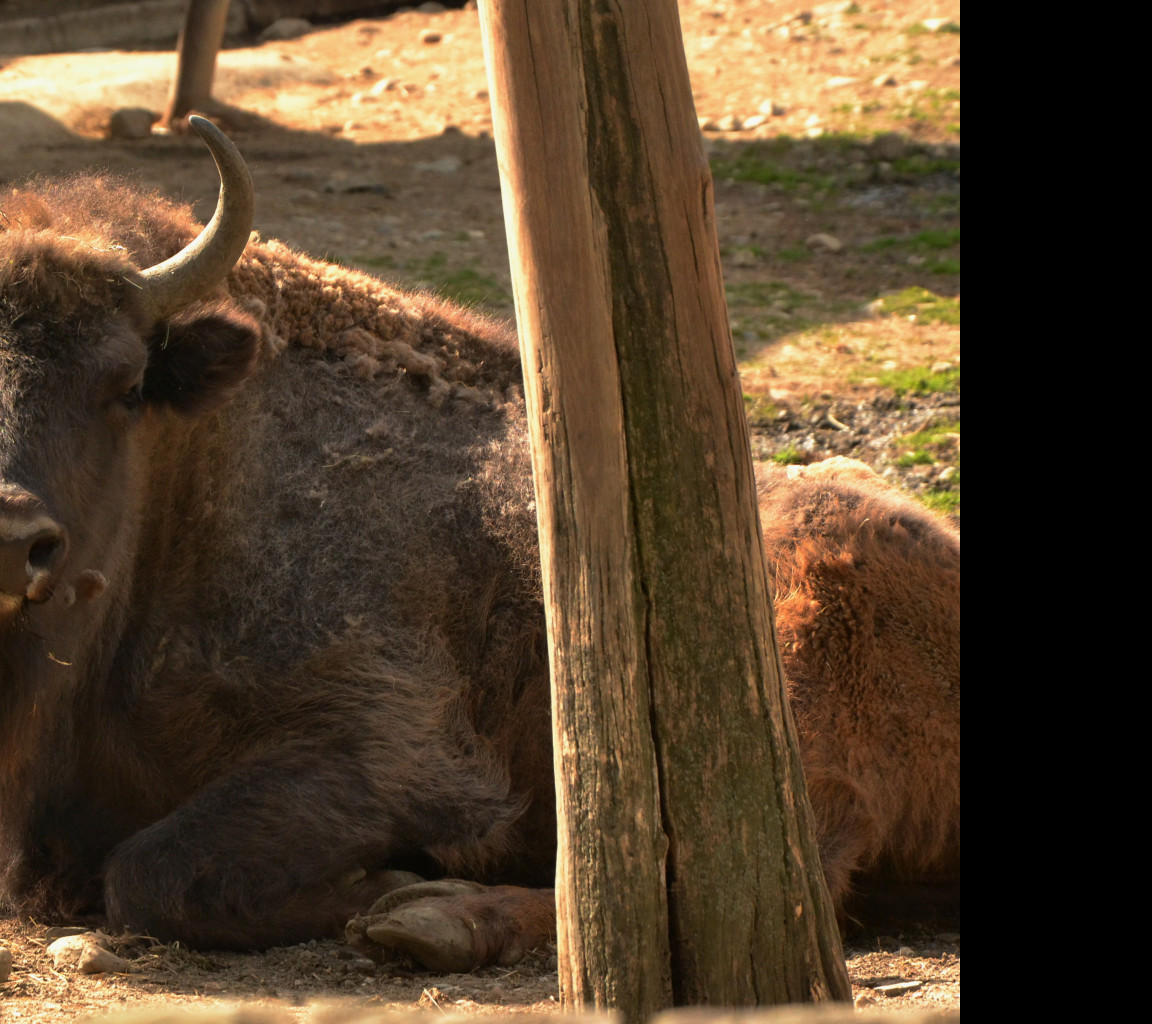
[32,552]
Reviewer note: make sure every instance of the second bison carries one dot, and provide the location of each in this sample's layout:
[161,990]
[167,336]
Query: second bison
[270,608]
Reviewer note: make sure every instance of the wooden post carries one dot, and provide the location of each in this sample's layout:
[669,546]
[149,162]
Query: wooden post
[196,51]
[687,870]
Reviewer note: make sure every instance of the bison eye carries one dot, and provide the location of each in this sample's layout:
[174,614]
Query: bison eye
[133,398]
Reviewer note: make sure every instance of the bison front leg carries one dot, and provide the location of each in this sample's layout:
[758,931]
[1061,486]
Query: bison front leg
[278,852]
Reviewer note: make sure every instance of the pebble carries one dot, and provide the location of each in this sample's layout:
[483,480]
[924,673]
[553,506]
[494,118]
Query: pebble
[941,367]
[822,240]
[131,123]
[444,165]
[729,123]
[755,121]
[836,81]
[430,36]
[285,28]
[87,953]
[944,476]
[5,965]
[384,85]
[885,79]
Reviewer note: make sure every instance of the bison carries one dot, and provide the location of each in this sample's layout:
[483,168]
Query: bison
[270,609]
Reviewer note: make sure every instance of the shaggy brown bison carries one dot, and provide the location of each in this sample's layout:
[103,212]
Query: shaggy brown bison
[270,613]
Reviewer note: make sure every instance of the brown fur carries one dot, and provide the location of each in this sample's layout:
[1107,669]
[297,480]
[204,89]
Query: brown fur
[321,646]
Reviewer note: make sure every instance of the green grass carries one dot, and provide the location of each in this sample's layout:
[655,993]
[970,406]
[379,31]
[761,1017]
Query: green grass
[926,306]
[790,455]
[464,285]
[932,238]
[947,502]
[912,380]
[766,162]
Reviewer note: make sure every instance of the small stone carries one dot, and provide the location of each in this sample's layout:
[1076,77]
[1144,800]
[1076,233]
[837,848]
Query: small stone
[934,24]
[885,79]
[945,476]
[821,240]
[899,988]
[5,965]
[285,28]
[131,123]
[445,165]
[837,81]
[729,123]
[941,367]
[384,85]
[87,953]
[430,36]
[772,108]
[755,121]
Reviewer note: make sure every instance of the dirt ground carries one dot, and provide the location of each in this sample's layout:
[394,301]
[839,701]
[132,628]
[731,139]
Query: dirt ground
[833,132]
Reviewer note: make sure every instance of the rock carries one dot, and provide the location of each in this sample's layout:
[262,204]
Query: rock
[944,476]
[5,965]
[430,36]
[132,123]
[444,165]
[836,81]
[729,123]
[887,146]
[285,28]
[384,85]
[885,79]
[755,121]
[941,367]
[829,243]
[934,24]
[899,988]
[87,953]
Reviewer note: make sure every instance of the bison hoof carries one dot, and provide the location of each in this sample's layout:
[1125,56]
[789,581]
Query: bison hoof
[431,935]
[454,926]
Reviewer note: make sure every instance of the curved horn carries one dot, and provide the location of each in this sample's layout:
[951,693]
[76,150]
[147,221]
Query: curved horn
[205,262]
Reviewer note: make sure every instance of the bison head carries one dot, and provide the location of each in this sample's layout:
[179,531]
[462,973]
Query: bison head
[95,356]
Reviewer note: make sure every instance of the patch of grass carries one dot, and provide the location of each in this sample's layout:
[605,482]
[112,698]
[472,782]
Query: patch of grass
[919,163]
[913,380]
[759,409]
[947,502]
[932,238]
[464,285]
[916,458]
[766,163]
[795,253]
[790,455]
[926,306]
[945,266]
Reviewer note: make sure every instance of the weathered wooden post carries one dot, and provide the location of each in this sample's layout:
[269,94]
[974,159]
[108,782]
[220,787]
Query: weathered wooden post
[688,872]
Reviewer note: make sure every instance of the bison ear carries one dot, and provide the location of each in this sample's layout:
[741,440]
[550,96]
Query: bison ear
[194,365]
